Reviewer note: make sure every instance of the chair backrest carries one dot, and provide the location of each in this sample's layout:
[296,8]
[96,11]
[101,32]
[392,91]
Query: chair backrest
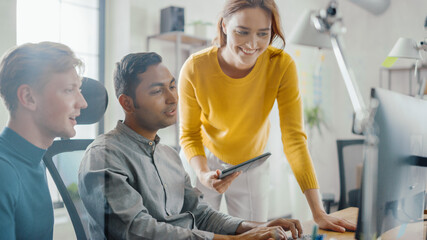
[350,160]
[63,158]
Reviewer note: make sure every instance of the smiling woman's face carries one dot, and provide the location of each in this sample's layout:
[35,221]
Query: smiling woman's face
[248,34]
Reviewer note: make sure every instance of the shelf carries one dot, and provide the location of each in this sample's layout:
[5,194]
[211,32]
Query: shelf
[389,72]
[185,38]
[182,42]
[420,67]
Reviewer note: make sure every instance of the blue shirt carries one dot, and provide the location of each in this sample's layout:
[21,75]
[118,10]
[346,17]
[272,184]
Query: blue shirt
[25,205]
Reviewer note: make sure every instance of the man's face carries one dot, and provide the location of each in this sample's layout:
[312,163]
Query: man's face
[155,99]
[58,104]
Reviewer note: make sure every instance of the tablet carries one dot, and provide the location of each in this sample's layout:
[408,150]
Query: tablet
[245,166]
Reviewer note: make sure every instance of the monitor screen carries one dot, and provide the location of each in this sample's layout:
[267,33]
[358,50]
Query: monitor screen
[393,188]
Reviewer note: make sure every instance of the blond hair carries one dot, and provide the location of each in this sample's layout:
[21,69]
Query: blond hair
[31,64]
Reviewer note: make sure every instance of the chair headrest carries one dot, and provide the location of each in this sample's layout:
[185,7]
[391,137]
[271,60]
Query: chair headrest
[97,100]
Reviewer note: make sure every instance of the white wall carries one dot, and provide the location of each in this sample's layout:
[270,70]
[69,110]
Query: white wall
[7,40]
[117,45]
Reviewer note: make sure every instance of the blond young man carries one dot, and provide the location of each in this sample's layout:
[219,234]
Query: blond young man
[41,89]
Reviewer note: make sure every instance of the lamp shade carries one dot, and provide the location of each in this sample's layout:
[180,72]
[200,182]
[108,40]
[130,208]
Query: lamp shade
[405,48]
[376,7]
[304,33]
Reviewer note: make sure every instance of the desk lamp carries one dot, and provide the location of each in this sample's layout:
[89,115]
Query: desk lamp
[408,48]
[320,26]
[322,29]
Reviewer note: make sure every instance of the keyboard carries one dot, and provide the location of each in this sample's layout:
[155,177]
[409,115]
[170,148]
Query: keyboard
[308,237]
[303,237]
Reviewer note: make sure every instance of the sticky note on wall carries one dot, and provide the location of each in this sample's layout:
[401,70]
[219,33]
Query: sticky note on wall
[389,61]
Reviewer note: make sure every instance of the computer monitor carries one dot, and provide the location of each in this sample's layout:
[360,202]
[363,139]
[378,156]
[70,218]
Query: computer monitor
[393,187]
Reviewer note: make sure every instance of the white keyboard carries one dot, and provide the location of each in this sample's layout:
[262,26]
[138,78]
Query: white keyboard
[304,237]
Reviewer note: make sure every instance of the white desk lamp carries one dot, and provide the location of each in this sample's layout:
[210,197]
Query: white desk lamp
[319,27]
[322,29]
[408,48]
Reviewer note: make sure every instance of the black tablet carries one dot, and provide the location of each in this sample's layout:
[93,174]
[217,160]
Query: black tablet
[245,166]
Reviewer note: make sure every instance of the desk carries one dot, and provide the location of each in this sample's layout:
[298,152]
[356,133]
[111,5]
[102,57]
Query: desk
[413,231]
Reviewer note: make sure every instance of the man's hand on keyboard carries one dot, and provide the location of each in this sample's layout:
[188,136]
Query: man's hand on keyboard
[303,237]
[292,225]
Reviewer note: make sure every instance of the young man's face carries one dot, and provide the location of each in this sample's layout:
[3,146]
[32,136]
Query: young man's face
[58,105]
[155,99]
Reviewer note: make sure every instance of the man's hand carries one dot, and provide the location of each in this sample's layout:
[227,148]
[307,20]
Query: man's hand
[274,229]
[211,180]
[328,222]
[292,225]
[258,233]
[267,233]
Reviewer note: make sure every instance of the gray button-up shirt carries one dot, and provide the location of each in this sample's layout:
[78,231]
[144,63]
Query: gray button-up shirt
[134,188]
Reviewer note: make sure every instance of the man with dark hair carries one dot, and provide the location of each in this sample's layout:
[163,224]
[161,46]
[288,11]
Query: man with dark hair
[41,88]
[134,187]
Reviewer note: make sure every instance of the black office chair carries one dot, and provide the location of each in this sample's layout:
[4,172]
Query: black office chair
[328,200]
[63,158]
[350,157]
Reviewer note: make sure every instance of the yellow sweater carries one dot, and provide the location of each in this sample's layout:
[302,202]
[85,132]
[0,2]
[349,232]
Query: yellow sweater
[230,116]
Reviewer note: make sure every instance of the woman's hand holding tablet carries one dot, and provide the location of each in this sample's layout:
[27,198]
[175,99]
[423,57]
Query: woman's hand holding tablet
[256,161]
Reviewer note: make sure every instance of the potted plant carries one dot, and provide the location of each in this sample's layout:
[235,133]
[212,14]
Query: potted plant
[200,27]
[313,118]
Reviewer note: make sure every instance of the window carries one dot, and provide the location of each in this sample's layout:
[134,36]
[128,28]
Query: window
[76,24]
[71,22]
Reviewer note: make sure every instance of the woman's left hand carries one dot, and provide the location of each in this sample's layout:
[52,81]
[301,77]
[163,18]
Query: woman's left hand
[328,222]
[322,219]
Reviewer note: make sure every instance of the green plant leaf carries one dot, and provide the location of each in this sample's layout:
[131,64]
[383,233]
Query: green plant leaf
[314,117]
[73,191]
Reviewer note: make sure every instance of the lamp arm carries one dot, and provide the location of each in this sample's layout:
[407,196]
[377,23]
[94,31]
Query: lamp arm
[351,85]
[422,88]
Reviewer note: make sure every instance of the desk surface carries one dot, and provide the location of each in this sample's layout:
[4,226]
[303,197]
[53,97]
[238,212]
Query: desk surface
[411,231]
